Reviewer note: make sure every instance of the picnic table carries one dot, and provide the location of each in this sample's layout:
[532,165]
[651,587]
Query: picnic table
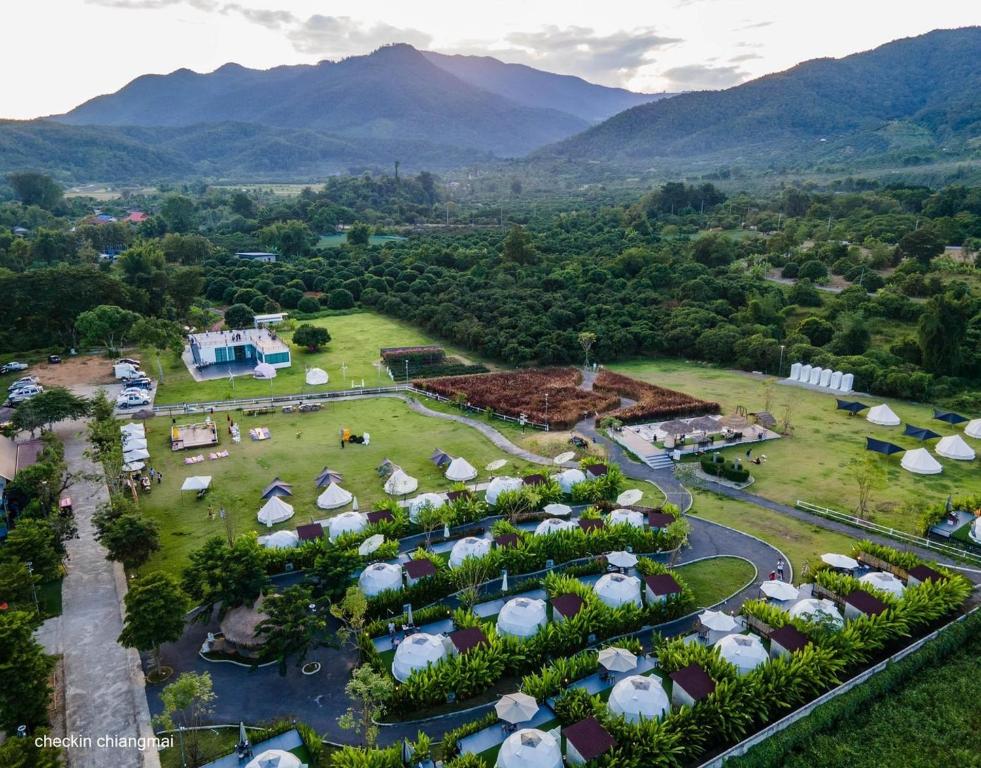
[258,410]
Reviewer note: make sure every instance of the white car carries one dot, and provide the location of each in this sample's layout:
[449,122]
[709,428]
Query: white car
[132,399]
[13,366]
[23,381]
[24,393]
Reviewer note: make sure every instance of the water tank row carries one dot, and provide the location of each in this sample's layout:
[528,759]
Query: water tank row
[822,377]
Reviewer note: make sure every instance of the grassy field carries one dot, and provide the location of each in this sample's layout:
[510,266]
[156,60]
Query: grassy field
[714,580]
[301,445]
[800,542]
[349,357]
[813,464]
[338,239]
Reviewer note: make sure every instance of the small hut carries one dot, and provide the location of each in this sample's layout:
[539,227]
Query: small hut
[239,629]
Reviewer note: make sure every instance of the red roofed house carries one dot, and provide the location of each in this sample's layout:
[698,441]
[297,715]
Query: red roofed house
[786,640]
[310,531]
[920,573]
[136,217]
[661,586]
[418,569]
[566,606]
[586,740]
[691,684]
[659,520]
[467,639]
[860,603]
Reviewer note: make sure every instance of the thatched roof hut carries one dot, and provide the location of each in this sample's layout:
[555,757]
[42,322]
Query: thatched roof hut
[239,627]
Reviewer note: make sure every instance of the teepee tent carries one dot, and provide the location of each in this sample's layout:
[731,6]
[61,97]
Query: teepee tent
[471,546]
[316,376]
[379,577]
[745,652]
[554,525]
[501,484]
[275,511]
[973,429]
[417,651]
[460,470]
[440,457]
[884,581]
[629,516]
[399,483]
[883,416]
[639,698]
[433,500]
[346,522]
[615,589]
[328,476]
[920,462]
[954,447]
[530,748]
[569,478]
[333,497]
[522,617]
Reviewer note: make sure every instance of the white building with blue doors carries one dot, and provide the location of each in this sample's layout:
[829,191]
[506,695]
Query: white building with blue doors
[246,347]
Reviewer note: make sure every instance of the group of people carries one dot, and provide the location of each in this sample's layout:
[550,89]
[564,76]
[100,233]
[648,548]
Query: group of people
[778,572]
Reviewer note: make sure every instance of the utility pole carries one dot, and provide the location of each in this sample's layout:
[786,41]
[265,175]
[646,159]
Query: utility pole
[397,164]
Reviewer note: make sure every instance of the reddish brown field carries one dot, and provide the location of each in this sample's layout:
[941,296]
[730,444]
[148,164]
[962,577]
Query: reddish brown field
[652,402]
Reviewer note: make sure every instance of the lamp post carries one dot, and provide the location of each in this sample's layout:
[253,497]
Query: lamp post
[780,368]
[546,411]
[30,571]
[407,371]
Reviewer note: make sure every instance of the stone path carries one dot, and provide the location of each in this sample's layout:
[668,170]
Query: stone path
[104,685]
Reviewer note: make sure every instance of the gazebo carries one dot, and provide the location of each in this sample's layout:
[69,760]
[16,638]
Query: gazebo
[500,485]
[615,589]
[433,500]
[812,609]
[460,470]
[380,577]
[554,525]
[417,651]
[639,698]
[530,748]
[400,484]
[471,546]
[745,652]
[631,517]
[275,511]
[568,478]
[884,581]
[238,629]
[333,497]
[346,522]
[522,617]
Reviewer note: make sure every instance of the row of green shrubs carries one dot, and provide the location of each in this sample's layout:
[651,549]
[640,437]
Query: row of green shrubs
[717,466]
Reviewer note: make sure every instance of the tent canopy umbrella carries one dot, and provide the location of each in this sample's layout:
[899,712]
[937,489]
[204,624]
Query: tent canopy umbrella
[779,590]
[622,559]
[516,708]
[557,510]
[717,621]
[496,465]
[371,544]
[562,458]
[196,483]
[630,496]
[839,561]
[617,659]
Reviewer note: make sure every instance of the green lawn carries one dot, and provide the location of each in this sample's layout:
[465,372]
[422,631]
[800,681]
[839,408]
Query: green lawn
[49,598]
[349,357]
[337,240]
[801,542]
[812,465]
[714,580]
[396,433]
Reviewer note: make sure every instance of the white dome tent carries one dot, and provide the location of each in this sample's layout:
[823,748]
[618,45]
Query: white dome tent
[380,577]
[615,589]
[973,429]
[920,462]
[316,377]
[975,533]
[812,609]
[417,651]
[333,497]
[522,617]
[569,478]
[954,447]
[500,485]
[884,581]
[433,500]
[280,540]
[400,484]
[264,371]
[554,525]
[471,546]
[882,415]
[275,511]
[639,698]
[460,470]
[629,516]
[346,522]
[530,748]
[745,652]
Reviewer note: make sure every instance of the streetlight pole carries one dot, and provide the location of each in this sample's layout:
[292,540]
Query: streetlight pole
[406,371]
[546,411]
[30,570]
[780,369]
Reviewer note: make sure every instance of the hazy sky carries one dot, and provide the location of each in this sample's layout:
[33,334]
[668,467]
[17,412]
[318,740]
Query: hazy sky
[58,53]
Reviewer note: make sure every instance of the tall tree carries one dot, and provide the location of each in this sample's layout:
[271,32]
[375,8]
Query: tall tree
[24,673]
[369,693]
[155,609]
[226,575]
[106,325]
[130,539]
[48,408]
[187,704]
[941,331]
[293,628]
[36,189]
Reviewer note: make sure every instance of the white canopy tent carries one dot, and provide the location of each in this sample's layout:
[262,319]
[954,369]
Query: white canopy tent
[820,611]
[884,581]
[264,371]
[275,511]
[973,429]
[133,466]
[133,429]
[500,485]
[275,758]
[346,522]
[516,707]
[460,470]
[433,500]
[522,617]
[136,454]
[280,540]
[471,546]
[616,589]
[417,651]
[629,516]
[835,560]
[639,698]
[557,510]
[530,748]
[954,447]
[617,659]
[569,478]
[717,621]
[399,483]
[316,377]
[333,497]
[745,652]
[134,443]
[882,415]
[920,462]
[554,525]
[196,483]
[779,590]
[379,577]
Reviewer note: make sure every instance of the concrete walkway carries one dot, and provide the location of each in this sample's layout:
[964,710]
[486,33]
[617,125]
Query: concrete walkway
[104,684]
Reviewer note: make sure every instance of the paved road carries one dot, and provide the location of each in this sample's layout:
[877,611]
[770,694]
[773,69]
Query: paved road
[104,693]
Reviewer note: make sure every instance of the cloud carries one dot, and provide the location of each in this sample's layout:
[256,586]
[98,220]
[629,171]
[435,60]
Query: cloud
[271,19]
[744,57]
[693,77]
[152,5]
[336,36]
[756,25]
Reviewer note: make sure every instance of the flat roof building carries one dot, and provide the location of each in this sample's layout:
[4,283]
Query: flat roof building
[246,346]
[263,256]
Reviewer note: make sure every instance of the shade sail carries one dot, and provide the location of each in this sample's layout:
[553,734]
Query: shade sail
[471,546]
[346,522]
[275,511]
[516,707]
[883,415]
[530,748]
[639,698]
[919,433]
[617,659]
[852,406]
[399,483]
[630,496]
[954,447]
[522,617]
[920,462]
[417,651]
[717,621]
[616,589]
[745,652]
[196,483]
[380,577]
[333,497]
[460,470]
[949,416]
[264,371]
[779,590]
[840,561]
[316,377]
[881,446]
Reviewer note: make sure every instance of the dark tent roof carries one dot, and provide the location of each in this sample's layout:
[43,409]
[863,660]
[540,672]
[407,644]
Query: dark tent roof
[919,433]
[506,540]
[765,419]
[536,479]
[328,476]
[789,637]
[380,516]
[852,406]
[440,458]
[694,680]
[418,569]
[881,446]
[659,519]
[277,488]
[867,603]
[597,470]
[663,584]
[468,639]
[591,525]
[310,531]
[454,495]
[568,605]
[925,573]
[949,416]
[589,738]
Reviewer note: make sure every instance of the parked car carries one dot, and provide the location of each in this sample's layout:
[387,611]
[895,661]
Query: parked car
[132,399]
[140,383]
[12,366]
[23,381]
[54,359]
[128,361]
[135,390]
[23,394]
